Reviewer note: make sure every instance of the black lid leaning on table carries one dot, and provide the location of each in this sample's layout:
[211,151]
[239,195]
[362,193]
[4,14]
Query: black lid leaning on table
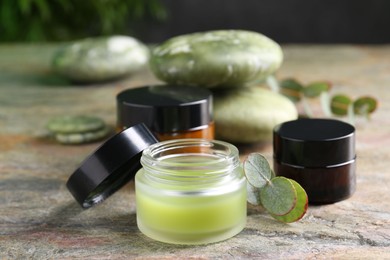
[165,108]
[314,142]
[111,166]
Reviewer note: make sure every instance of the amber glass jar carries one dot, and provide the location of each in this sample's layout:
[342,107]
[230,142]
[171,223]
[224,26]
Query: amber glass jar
[320,155]
[169,111]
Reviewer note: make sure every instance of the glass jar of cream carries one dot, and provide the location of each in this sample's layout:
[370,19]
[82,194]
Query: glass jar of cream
[190,191]
[169,111]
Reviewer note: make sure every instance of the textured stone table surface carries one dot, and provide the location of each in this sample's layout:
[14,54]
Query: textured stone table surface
[40,220]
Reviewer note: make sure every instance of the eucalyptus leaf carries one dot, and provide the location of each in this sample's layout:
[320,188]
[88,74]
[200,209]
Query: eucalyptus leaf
[283,198]
[364,105]
[339,104]
[253,194]
[300,207]
[315,89]
[292,89]
[257,170]
[279,197]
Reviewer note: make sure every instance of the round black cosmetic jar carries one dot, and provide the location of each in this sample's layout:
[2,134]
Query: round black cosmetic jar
[320,155]
[169,111]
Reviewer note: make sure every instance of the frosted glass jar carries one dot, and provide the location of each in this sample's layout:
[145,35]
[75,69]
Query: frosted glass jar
[190,191]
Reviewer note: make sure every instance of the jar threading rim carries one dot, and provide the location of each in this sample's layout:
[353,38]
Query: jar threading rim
[224,159]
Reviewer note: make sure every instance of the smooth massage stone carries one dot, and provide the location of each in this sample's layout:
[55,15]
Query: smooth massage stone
[216,58]
[100,59]
[248,115]
[80,138]
[75,124]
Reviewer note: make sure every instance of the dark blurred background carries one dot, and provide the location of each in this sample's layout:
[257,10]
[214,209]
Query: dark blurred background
[295,21]
[152,21]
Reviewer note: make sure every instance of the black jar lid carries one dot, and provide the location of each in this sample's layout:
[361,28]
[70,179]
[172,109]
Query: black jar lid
[314,142]
[165,108]
[111,166]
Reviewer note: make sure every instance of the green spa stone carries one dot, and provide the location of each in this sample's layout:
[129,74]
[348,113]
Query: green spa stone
[100,59]
[80,138]
[228,58]
[248,115]
[75,124]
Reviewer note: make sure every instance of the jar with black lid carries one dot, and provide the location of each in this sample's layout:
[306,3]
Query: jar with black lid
[320,155]
[169,111]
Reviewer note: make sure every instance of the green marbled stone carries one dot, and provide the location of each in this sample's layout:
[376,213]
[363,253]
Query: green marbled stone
[100,59]
[248,115]
[74,124]
[81,138]
[216,58]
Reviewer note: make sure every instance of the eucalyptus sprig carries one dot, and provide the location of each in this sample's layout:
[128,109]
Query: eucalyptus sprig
[337,105]
[297,92]
[342,105]
[283,198]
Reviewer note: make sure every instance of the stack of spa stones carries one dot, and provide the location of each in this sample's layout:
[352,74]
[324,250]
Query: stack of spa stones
[77,129]
[232,64]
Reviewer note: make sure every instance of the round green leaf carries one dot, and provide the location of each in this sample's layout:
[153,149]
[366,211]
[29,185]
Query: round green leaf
[257,170]
[315,89]
[253,194]
[339,105]
[364,105]
[300,207]
[291,89]
[279,196]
